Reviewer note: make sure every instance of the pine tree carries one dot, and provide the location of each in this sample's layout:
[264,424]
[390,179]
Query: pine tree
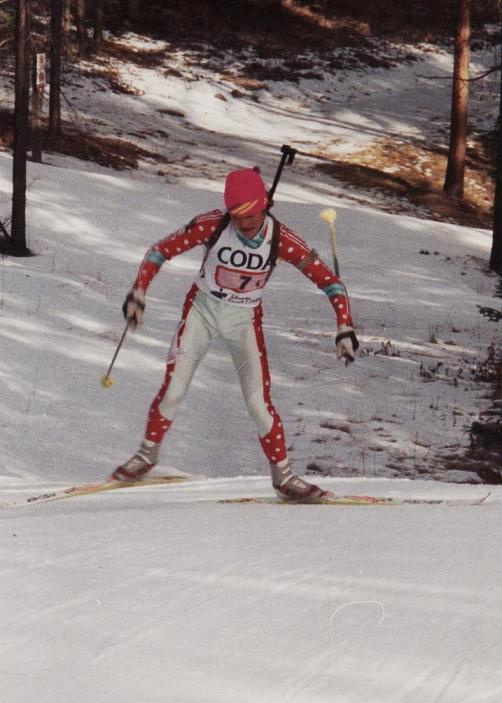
[496,252]
[455,171]
[17,243]
[55,79]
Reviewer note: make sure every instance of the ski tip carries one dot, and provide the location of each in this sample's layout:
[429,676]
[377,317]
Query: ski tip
[485,497]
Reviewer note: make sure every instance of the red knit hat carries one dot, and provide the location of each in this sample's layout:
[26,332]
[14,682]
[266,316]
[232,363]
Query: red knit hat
[245,192]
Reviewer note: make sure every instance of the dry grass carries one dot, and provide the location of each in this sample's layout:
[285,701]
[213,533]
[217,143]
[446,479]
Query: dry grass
[414,174]
[106,71]
[275,27]
[111,152]
[146,58]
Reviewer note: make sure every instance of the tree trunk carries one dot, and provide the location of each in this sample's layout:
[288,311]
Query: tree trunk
[80,10]
[496,253]
[21,116]
[37,104]
[132,10]
[98,22]
[455,171]
[55,81]
[65,31]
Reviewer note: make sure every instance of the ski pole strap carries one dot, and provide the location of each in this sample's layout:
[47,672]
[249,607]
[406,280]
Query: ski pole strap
[288,156]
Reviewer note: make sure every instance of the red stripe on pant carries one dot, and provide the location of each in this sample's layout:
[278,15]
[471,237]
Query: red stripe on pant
[273,443]
[157,424]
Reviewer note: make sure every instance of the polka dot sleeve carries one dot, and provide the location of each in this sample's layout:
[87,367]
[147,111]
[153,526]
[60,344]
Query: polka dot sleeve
[196,232]
[295,251]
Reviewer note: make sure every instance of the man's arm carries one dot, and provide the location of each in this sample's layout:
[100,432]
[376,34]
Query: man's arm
[196,232]
[296,251]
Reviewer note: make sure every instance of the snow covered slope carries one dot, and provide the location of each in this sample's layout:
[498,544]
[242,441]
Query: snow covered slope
[410,397]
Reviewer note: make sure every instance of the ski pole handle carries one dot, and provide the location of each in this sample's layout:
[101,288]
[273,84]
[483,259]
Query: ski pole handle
[106,380]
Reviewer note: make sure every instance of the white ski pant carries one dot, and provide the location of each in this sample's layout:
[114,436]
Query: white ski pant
[205,318]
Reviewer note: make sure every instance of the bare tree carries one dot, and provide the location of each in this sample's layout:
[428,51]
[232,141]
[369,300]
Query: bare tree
[131,9]
[55,75]
[38,73]
[455,171]
[17,244]
[98,22]
[66,22]
[496,252]
[80,13]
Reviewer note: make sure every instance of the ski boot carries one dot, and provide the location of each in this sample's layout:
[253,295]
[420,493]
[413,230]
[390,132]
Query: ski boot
[291,487]
[139,464]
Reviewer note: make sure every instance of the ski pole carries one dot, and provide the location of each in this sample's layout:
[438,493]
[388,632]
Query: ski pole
[287,158]
[329,216]
[106,380]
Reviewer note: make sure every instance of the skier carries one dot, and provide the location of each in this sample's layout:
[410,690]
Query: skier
[242,245]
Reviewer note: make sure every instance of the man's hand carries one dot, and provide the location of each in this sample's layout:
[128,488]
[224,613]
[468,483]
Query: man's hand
[134,306]
[346,343]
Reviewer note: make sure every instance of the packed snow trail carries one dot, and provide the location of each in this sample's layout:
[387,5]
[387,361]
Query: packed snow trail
[148,595]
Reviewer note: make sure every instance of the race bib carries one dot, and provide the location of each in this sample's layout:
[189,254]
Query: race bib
[240,281]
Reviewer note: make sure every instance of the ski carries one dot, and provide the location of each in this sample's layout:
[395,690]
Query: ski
[357,500]
[334,499]
[90,488]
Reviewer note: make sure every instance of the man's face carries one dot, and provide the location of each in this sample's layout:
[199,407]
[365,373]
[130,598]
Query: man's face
[248,225]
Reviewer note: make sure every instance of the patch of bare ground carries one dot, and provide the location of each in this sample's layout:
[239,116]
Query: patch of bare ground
[111,152]
[484,455]
[427,20]
[6,128]
[275,27]
[145,58]
[269,28]
[414,173]
[104,69]
[243,82]
[102,64]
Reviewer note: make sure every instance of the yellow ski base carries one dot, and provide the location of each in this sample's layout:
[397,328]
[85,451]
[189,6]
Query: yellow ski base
[90,488]
[357,500]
